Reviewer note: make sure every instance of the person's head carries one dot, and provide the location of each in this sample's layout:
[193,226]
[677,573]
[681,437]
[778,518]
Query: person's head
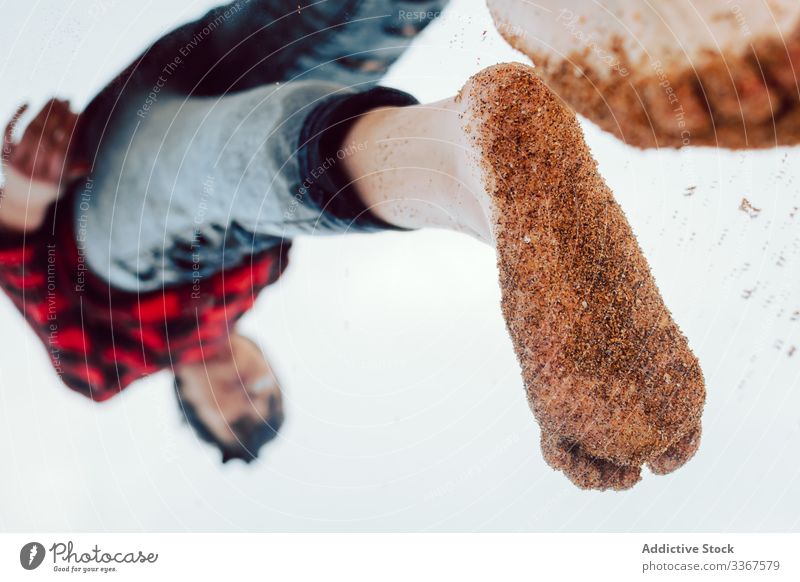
[232,400]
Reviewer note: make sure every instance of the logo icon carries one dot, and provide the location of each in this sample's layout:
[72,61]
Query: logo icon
[31,555]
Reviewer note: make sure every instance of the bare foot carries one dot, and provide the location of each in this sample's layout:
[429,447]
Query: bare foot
[668,75]
[609,375]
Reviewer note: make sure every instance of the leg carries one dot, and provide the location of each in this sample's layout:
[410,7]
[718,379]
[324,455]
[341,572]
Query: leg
[179,183]
[250,43]
[609,375]
[199,185]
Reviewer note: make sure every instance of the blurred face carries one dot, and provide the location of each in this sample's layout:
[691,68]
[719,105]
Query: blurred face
[235,397]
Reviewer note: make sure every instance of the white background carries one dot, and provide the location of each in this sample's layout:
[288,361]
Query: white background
[405,406]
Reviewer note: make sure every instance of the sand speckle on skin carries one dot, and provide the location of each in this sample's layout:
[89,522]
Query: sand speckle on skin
[608,374]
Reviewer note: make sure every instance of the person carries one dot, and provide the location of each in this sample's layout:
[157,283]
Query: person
[200,175]
[107,320]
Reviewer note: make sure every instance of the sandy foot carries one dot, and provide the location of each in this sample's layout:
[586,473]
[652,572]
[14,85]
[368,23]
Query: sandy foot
[718,74]
[609,376]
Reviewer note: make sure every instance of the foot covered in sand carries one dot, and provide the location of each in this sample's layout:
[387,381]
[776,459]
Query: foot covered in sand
[672,74]
[609,376]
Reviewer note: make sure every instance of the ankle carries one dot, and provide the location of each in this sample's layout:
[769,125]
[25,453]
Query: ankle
[410,169]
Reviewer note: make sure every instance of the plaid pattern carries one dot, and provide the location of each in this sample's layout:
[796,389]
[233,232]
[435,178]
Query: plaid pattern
[101,339]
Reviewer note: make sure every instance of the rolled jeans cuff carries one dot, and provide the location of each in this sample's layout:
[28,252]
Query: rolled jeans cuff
[324,183]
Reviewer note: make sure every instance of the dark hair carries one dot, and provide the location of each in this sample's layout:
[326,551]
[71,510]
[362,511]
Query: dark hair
[251,435]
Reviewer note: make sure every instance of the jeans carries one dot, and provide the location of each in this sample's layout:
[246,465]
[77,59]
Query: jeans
[196,150]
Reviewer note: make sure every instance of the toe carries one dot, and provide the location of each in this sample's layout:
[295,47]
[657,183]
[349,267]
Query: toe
[584,470]
[677,455]
[781,62]
[676,107]
[737,92]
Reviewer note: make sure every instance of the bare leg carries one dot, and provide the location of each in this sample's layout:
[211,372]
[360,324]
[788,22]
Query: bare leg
[420,170]
[609,376]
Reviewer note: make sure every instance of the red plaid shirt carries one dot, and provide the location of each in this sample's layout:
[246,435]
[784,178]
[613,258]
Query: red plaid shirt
[101,339]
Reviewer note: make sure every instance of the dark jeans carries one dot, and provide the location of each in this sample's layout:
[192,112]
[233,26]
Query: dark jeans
[249,43]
